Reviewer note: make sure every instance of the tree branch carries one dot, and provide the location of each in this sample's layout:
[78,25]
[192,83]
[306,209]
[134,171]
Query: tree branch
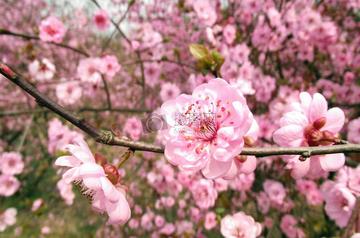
[29,37]
[107,137]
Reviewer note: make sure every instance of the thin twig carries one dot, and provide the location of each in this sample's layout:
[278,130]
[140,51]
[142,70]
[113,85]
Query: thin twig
[30,37]
[107,137]
[106,88]
[84,109]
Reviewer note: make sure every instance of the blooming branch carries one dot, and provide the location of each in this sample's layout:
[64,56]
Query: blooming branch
[107,137]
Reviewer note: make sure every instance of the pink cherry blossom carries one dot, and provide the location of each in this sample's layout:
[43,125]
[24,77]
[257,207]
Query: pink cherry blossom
[240,225]
[69,92]
[65,190]
[288,225]
[275,191]
[106,197]
[42,70]
[11,163]
[169,91]
[52,30]
[311,124]
[60,135]
[354,131]
[206,129]
[133,128]
[101,20]
[7,218]
[204,193]
[89,70]
[8,185]
[37,204]
[205,12]
[339,202]
[210,220]
[229,33]
[111,66]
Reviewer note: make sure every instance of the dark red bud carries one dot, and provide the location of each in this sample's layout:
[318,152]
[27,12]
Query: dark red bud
[7,71]
[319,123]
[112,173]
[101,160]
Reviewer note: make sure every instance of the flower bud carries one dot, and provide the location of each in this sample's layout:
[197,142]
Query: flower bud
[112,173]
[101,160]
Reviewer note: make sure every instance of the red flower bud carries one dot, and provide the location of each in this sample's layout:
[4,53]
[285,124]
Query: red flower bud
[101,160]
[112,173]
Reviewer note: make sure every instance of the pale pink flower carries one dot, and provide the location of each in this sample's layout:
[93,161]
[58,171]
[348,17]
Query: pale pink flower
[240,225]
[356,235]
[37,204]
[152,73]
[312,124]
[275,191]
[7,218]
[229,34]
[204,193]
[133,128]
[42,70]
[89,70]
[244,86]
[210,220]
[106,197]
[52,30]
[167,229]
[60,135]
[111,66]
[240,53]
[339,202]
[69,92]
[242,182]
[289,227]
[66,192]
[206,129]
[169,91]
[263,202]
[354,131]
[45,230]
[8,185]
[101,20]
[350,178]
[11,163]
[205,12]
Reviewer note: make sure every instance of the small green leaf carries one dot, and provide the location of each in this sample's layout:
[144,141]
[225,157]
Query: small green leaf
[198,51]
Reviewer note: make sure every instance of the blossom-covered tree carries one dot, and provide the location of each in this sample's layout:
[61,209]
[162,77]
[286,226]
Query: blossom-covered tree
[186,118]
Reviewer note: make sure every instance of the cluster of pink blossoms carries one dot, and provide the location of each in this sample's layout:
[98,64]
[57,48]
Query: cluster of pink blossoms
[99,180]
[11,163]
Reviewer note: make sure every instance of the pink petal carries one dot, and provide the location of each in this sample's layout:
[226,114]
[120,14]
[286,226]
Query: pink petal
[232,172]
[335,119]
[119,212]
[291,135]
[300,168]
[215,168]
[332,162]
[318,107]
[294,118]
[67,161]
[305,99]
[248,166]
[70,175]
[79,153]
[91,169]
[110,192]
